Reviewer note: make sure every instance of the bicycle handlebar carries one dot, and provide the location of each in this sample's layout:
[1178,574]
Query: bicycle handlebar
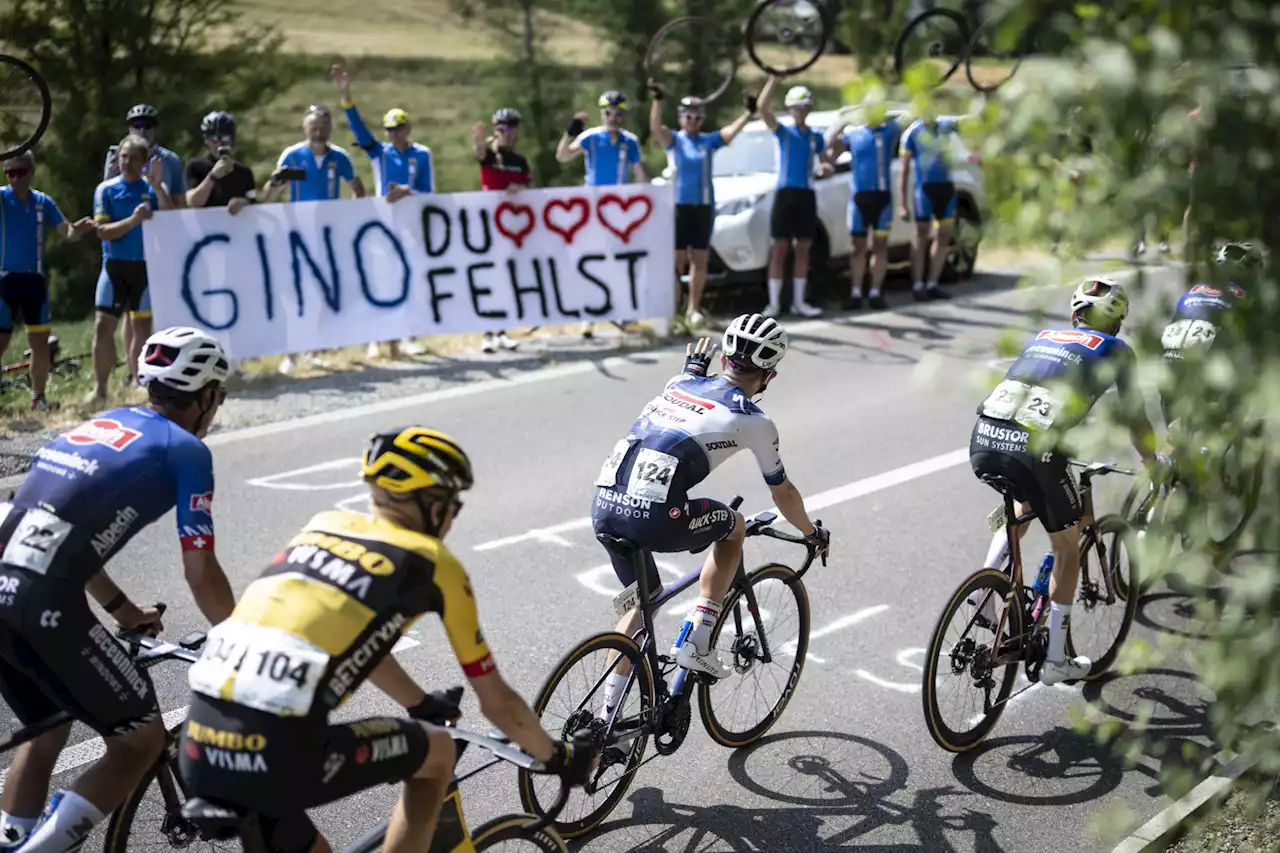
[759,525]
[1100,468]
[148,650]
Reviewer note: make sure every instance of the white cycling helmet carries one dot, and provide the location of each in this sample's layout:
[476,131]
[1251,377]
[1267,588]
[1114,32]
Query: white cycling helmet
[798,96]
[754,340]
[183,358]
[1103,297]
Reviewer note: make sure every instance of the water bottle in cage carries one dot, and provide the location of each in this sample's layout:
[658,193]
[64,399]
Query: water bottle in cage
[1041,586]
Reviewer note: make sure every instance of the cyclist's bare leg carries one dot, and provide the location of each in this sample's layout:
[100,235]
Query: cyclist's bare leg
[722,562]
[923,231]
[999,550]
[413,822]
[26,786]
[857,266]
[1062,592]
[697,277]
[140,324]
[104,352]
[940,246]
[879,261]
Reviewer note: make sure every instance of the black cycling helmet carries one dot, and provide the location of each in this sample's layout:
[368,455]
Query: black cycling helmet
[1243,256]
[613,99]
[507,115]
[219,124]
[142,112]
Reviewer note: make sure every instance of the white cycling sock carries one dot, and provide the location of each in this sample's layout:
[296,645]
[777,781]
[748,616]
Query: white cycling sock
[1059,620]
[613,687]
[919,285]
[697,626]
[67,828]
[998,551]
[775,291]
[798,284]
[14,829]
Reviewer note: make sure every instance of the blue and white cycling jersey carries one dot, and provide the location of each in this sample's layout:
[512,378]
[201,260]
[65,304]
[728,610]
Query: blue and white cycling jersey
[1208,302]
[929,149]
[684,434]
[692,157]
[609,161]
[94,488]
[1055,367]
[872,153]
[794,150]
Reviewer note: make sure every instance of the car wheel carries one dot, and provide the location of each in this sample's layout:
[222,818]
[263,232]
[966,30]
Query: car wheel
[962,254]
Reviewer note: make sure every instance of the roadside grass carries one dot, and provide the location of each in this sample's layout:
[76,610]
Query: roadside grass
[1247,821]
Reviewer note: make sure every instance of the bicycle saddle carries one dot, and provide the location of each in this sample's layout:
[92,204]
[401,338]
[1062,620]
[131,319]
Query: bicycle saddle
[220,821]
[1000,483]
[622,544]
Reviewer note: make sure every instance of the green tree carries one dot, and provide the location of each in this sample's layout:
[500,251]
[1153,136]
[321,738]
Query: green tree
[100,57]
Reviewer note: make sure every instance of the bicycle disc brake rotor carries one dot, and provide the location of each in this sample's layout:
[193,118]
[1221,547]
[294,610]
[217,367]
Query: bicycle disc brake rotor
[677,721]
[746,651]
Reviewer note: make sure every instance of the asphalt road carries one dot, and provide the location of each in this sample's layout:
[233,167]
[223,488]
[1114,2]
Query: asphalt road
[874,411]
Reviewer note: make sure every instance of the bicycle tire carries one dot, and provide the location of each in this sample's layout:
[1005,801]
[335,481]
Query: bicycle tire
[623,645]
[942,734]
[1117,528]
[900,45]
[814,55]
[1020,51]
[692,20]
[511,828]
[718,732]
[46,105]
[1253,490]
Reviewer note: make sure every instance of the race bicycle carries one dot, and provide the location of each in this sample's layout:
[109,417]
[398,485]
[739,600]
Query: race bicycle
[660,707]
[25,106]
[1006,622]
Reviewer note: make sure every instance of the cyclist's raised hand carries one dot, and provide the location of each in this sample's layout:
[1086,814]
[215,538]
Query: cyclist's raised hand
[340,79]
[698,358]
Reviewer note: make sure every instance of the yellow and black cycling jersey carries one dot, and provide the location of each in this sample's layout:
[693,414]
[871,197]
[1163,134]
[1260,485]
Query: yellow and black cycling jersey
[330,606]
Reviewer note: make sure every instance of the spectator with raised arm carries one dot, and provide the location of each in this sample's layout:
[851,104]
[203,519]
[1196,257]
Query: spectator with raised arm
[611,152]
[690,150]
[501,168]
[120,207]
[314,171]
[26,216]
[143,120]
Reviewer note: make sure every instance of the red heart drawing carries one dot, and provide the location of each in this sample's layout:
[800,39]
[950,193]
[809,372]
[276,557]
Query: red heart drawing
[625,204]
[581,205]
[519,211]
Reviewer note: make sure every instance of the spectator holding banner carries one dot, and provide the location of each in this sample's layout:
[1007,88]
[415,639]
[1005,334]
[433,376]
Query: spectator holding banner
[610,150]
[143,120]
[313,170]
[501,168]
[120,206]
[691,149]
[25,216]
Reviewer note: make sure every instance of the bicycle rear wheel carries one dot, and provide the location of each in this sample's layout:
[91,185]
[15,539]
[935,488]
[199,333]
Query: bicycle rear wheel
[1097,629]
[969,657]
[736,637]
[696,50]
[507,833]
[996,63]
[25,106]
[938,34]
[785,37]
[577,675]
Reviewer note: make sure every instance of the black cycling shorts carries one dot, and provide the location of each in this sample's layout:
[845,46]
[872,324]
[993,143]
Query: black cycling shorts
[280,767]
[794,215]
[679,524]
[693,226]
[55,656]
[1044,480]
[25,296]
[122,286]
[871,211]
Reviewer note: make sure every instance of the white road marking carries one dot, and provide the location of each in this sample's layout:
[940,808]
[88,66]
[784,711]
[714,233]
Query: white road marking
[91,750]
[831,497]
[790,646]
[271,481]
[902,658]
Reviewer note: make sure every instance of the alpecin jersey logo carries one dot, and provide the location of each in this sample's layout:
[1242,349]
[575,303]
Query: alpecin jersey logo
[1091,340]
[105,431]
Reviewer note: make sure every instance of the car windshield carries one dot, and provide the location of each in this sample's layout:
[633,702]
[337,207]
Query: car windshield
[751,152]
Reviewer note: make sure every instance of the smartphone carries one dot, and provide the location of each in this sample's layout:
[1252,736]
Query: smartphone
[290,174]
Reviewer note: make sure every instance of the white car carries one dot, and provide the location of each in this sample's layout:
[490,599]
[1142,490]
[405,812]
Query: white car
[744,178]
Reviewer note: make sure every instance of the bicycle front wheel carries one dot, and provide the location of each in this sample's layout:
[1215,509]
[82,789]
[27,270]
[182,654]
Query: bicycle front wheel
[1098,629]
[569,702]
[782,605]
[25,106]
[507,833]
[967,656]
[939,35]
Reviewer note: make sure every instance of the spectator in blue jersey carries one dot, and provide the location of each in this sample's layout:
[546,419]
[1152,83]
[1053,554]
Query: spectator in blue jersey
[610,150]
[691,149]
[872,149]
[324,167]
[400,166]
[924,146]
[26,215]
[143,120]
[120,206]
[794,219]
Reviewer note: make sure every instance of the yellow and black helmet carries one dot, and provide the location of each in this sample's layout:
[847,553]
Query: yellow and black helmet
[415,458]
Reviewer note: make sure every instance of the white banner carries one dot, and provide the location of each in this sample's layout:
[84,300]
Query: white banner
[282,278]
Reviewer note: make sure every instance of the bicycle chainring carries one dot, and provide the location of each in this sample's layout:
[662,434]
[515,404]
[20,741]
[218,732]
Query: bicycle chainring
[675,729]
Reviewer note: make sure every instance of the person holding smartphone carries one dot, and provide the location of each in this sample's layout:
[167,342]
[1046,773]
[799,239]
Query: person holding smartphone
[502,167]
[220,180]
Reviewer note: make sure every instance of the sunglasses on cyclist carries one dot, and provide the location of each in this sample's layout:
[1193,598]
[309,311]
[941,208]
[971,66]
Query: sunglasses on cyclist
[17,172]
[142,125]
[612,112]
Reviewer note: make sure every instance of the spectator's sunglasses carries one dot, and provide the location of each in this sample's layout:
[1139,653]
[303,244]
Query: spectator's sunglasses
[508,126]
[222,140]
[618,112]
[142,124]
[17,172]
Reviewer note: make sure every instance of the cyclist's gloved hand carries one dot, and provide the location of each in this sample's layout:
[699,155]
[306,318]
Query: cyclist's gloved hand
[438,707]
[575,127]
[659,92]
[749,101]
[698,357]
[819,541]
[574,761]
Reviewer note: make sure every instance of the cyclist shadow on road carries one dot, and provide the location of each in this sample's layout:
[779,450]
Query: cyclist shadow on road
[828,791]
